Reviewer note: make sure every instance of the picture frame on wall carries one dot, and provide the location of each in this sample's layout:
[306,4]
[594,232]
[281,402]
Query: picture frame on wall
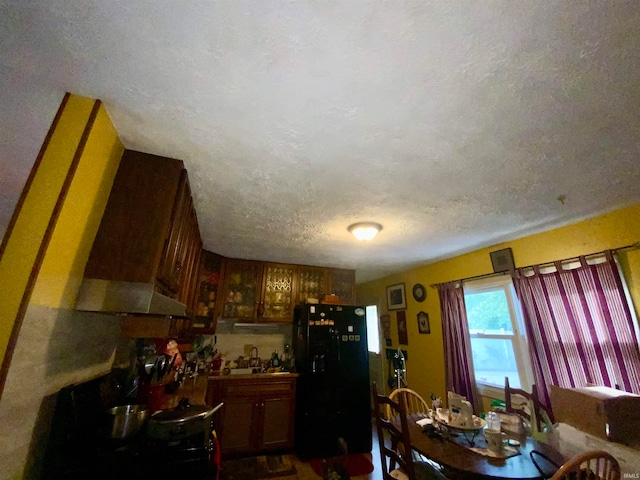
[403,334]
[423,323]
[502,260]
[396,297]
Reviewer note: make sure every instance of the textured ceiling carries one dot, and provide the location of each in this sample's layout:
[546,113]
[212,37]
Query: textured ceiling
[455,124]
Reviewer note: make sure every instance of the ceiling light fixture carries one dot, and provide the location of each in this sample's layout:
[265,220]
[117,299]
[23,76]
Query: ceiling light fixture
[365,230]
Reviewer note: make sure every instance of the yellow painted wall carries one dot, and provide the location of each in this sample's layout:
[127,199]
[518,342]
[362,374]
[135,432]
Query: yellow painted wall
[63,266]
[425,367]
[79,217]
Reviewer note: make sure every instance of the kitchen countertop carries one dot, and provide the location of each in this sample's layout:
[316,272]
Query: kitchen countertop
[253,375]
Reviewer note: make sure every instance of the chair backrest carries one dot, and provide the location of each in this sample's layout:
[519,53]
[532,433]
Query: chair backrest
[393,435]
[595,464]
[410,400]
[531,399]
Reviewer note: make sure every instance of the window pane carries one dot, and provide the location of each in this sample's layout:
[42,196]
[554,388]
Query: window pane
[488,312]
[373,331]
[494,359]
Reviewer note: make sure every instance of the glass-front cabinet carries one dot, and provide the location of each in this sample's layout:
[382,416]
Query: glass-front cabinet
[254,291]
[278,287]
[312,283]
[241,289]
[343,283]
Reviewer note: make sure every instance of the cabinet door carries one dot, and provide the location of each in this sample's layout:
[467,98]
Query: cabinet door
[189,258]
[312,283]
[278,283]
[207,289]
[132,234]
[238,425]
[171,263]
[343,283]
[241,289]
[277,423]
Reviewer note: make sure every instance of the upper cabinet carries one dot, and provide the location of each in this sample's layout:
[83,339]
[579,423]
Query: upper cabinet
[149,231]
[208,289]
[254,291]
[342,283]
[278,289]
[313,282]
[241,289]
[258,291]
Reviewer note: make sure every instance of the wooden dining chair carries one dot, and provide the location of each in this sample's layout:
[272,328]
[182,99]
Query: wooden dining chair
[396,457]
[410,399]
[595,464]
[530,401]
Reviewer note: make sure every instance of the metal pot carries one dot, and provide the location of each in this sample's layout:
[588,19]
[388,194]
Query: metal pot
[126,420]
[183,421]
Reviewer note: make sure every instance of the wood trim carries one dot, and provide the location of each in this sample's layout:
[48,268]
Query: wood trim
[17,325]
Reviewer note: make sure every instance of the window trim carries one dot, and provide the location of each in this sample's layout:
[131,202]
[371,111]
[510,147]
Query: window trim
[518,338]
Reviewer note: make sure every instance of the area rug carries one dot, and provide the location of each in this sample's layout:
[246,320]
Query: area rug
[357,464]
[264,466]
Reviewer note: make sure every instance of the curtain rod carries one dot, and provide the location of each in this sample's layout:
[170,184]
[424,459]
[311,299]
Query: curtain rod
[495,274]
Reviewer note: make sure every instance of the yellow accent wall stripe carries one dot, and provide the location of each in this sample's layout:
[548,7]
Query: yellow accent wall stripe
[63,266]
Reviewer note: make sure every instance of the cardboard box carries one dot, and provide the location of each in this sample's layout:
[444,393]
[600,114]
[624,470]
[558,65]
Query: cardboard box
[601,411]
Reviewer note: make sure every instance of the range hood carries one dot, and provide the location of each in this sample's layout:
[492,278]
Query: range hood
[110,296]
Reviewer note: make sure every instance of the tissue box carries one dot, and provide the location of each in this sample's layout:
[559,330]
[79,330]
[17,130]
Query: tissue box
[601,411]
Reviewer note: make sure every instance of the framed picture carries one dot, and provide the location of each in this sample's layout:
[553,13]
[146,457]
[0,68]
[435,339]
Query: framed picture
[423,322]
[403,335]
[396,297]
[502,260]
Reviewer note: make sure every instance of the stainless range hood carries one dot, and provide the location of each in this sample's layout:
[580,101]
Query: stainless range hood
[110,296]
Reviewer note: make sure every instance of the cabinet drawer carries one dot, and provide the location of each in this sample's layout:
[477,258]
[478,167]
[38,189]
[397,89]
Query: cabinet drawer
[261,388]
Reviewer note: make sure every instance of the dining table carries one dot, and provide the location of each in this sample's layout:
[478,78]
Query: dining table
[457,456]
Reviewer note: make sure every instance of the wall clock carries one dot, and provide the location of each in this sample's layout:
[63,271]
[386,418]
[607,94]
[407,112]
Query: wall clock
[419,292]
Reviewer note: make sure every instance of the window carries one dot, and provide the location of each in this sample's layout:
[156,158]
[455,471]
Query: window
[498,341]
[373,331]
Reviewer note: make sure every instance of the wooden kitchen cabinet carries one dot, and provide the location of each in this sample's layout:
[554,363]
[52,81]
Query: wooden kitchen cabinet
[313,282]
[208,289]
[178,269]
[342,283]
[258,291]
[149,231]
[258,412]
[241,289]
[277,294]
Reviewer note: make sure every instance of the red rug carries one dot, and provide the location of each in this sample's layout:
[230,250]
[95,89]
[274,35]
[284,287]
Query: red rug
[356,464]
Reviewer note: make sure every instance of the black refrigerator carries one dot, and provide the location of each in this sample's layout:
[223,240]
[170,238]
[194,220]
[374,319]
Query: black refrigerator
[333,397]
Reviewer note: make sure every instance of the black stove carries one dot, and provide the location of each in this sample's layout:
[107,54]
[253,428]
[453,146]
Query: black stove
[79,448]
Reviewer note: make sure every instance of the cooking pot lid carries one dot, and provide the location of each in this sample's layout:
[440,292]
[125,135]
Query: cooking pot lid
[183,413]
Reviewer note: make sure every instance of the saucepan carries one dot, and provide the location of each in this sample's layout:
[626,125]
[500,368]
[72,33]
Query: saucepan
[125,421]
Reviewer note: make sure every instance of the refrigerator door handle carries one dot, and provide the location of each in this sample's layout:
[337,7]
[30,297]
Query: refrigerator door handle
[337,334]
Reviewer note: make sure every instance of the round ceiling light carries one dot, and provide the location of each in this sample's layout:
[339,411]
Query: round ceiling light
[365,230]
